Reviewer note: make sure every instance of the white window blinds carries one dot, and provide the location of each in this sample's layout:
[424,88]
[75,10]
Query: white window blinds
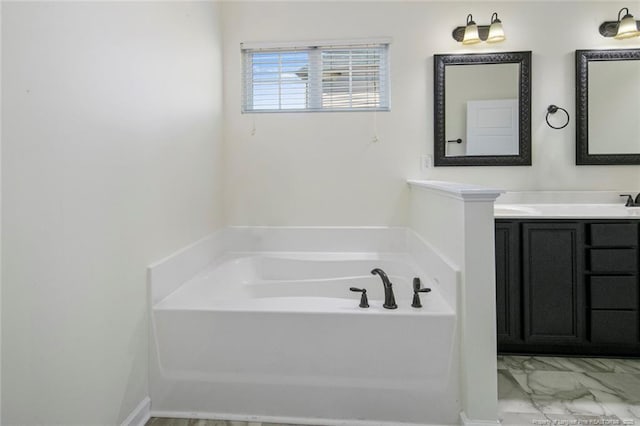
[347,77]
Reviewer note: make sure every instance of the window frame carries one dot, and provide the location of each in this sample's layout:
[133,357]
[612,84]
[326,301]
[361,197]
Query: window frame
[314,91]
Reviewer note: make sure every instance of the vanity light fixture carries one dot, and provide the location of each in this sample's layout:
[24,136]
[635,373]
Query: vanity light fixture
[496,32]
[625,27]
[473,34]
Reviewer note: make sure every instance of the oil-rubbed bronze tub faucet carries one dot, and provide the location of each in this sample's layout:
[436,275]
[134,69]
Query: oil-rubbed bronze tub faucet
[389,298]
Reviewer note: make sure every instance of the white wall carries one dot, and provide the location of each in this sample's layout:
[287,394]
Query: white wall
[323,168]
[111,155]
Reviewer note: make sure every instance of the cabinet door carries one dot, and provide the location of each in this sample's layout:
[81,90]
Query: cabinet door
[552,283]
[508,323]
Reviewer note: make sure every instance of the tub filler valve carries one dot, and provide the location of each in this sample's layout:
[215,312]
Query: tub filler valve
[416,293]
[389,298]
[364,302]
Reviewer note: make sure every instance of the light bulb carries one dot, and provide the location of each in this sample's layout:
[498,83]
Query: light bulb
[627,27]
[496,32]
[471,35]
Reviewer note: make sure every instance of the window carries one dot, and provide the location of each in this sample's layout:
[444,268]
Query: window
[327,77]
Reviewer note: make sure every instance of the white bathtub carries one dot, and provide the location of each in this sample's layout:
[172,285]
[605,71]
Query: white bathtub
[278,336]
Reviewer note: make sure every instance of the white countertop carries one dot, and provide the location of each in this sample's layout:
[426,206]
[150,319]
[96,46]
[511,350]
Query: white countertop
[565,211]
[461,191]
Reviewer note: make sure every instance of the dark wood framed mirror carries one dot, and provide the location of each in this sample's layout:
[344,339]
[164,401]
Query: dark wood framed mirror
[482,109]
[608,106]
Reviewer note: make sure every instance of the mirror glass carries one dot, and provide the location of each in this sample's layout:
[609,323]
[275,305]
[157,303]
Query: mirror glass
[482,109]
[608,101]
[614,107]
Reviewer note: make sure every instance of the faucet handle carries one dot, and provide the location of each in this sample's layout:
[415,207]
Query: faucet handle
[364,301]
[629,202]
[415,303]
[416,284]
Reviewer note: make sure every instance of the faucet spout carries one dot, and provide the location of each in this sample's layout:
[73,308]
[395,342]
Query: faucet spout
[389,298]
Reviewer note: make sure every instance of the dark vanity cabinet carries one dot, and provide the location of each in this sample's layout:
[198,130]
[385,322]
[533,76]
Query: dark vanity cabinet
[508,292]
[568,287]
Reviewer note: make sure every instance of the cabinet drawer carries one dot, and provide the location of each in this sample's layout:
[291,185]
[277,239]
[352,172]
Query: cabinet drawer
[613,260]
[613,234]
[617,327]
[614,292]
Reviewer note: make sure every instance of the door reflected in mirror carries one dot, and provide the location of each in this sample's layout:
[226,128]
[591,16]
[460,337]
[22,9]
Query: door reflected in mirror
[482,109]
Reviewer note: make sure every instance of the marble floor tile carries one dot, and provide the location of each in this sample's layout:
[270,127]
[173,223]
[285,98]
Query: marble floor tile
[625,386]
[165,421]
[562,384]
[633,412]
[578,365]
[523,419]
[603,365]
[579,404]
[511,397]
[531,363]
[162,421]
[520,419]
[626,365]
[501,363]
[539,390]
[618,406]
[583,365]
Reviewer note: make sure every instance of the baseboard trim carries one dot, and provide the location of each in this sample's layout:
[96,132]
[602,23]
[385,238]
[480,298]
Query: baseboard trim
[140,415]
[465,421]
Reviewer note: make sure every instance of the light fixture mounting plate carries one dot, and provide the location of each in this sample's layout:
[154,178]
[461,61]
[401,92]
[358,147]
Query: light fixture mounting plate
[607,28]
[483,32]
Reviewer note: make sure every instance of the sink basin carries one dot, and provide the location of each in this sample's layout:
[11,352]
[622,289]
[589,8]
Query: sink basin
[566,211]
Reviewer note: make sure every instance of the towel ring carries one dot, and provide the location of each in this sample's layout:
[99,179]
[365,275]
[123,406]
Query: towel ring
[552,109]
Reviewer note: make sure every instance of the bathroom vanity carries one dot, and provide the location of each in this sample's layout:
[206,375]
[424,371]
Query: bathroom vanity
[568,285]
